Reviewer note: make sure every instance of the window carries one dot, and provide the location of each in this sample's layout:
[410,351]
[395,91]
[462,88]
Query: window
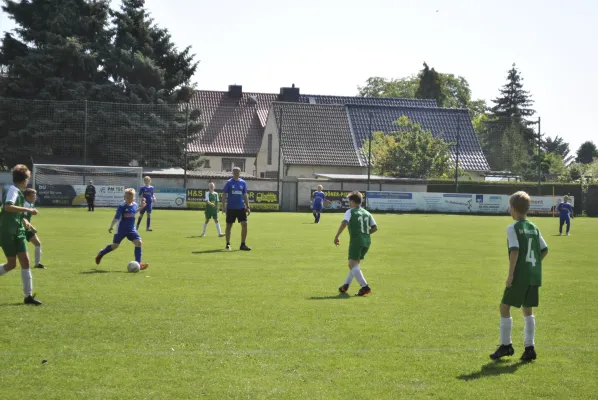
[270,149]
[229,163]
[206,164]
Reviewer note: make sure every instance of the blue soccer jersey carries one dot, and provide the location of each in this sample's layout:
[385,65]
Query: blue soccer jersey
[235,191]
[125,213]
[147,192]
[565,209]
[319,198]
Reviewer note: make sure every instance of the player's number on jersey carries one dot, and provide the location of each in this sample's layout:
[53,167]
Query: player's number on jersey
[530,257]
[365,224]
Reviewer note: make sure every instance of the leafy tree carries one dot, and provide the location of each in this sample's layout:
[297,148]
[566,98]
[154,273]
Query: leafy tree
[430,86]
[560,147]
[381,87]
[586,153]
[576,171]
[554,169]
[410,151]
[513,100]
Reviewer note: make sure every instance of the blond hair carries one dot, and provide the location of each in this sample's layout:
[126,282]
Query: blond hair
[520,202]
[211,185]
[147,178]
[320,187]
[130,191]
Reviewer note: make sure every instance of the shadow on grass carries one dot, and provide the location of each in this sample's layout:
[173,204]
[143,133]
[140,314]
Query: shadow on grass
[101,271]
[343,296]
[493,368]
[193,237]
[214,251]
[12,304]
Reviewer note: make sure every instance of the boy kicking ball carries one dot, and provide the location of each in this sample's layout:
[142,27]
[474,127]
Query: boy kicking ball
[527,249]
[212,210]
[361,225]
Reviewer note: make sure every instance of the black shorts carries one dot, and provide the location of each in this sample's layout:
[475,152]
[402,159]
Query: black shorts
[235,215]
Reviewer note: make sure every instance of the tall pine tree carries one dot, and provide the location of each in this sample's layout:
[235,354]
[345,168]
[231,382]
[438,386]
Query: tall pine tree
[513,100]
[430,86]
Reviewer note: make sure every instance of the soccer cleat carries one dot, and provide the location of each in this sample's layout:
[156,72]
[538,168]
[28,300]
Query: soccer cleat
[202,235]
[343,289]
[143,266]
[221,235]
[227,247]
[529,354]
[30,300]
[99,258]
[40,266]
[568,234]
[149,230]
[502,351]
[244,247]
[364,290]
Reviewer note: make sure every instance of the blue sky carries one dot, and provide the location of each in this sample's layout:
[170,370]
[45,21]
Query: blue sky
[332,46]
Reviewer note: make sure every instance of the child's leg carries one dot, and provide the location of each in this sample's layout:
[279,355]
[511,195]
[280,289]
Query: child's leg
[568,225]
[11,263]
[137,251]
[25,273]
[149,220]
[562,221]
[205,227]
[529,330]
[38,250]
[218,226]
[140,218]
[506,324]
[109,248]
[349,277]
[356,271]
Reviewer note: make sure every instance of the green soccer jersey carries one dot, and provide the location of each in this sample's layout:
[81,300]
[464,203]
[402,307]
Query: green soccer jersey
[12,223]
[28,215]
[525,237]
[213,198]
[359,222]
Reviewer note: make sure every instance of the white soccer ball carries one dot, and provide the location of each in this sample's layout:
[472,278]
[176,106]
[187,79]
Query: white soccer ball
[133,266]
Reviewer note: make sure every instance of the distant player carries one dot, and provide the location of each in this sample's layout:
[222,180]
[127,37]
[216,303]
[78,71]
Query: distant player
[527,249]
[361,225]
[146,193]
[90,196]
[212,201]
[125,218]
[317,203]
[12,231]
[566,213]
[235,200]
[31,233]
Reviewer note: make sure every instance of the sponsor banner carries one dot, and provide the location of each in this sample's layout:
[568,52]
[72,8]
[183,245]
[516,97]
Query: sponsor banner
[105,195]
[170,197]
[337,200]
[74,195]
[455,202]
[258,199]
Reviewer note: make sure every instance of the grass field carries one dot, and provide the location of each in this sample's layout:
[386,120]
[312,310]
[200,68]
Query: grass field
[204,323]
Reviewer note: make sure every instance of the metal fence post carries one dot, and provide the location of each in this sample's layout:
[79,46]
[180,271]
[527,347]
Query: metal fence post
[539,158]
[85,136]
[186,144]
[457,157]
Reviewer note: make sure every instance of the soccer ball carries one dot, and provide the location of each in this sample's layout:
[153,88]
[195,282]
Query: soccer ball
[133,266]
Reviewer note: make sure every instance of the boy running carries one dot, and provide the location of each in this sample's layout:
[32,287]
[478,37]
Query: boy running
[361,225]
[318,203]
[31,233]
[125,218]
[212,210]
[566,213]
[527,249]
[12,231]
[146,193]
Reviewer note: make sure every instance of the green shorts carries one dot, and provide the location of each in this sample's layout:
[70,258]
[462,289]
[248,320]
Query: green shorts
[13,244]
[521,295]
[29,235]
[357,251]
[211,213]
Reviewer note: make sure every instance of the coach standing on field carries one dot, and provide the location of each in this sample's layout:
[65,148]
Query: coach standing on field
[90,196]
[236,206]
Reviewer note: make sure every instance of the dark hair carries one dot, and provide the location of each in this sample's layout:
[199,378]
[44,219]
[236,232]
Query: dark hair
[20,173]
[356,197]
[28,192]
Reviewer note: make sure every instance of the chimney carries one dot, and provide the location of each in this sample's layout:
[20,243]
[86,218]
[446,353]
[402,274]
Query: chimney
[235,91]
[290,94]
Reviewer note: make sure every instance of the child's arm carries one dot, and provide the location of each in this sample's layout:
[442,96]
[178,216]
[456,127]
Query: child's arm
[513,256]
[28,226]
[339,232]
[543,246]
[114,222]
[208,199]
[373,225]
[16,209]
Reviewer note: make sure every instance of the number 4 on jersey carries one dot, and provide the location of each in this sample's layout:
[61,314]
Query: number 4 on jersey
[530,257]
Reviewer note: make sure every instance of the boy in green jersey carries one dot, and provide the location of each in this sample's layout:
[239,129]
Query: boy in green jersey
[30,232]
[361,225]
[212,210]
[12,230]
[527,249]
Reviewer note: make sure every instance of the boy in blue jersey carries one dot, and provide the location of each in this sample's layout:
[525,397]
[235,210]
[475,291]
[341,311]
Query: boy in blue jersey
[146,193]
[125,218]
[566,213]
[235,201]
[317,203]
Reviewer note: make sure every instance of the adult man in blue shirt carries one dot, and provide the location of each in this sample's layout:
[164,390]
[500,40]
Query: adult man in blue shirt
[236,206]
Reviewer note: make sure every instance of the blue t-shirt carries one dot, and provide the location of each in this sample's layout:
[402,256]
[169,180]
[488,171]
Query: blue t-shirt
[235,192]
[147,192]
[319,198]
[565,209]
[126,214]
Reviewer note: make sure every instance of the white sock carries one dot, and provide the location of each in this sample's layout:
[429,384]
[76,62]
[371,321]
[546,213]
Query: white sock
[205,228]
[358,275]
[506,324]
[218,227]
[2,270]
[38,255]
[349,278]
[27,281]
[529,330]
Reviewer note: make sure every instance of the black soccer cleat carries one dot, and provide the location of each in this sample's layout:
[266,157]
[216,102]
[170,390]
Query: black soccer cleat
[227,247]
[244,247]
[40,266]
[343,289]
[30,300]
[364,290]
[502,351]
[529,354]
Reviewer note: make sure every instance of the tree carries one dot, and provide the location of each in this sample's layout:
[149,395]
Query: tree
[430,86]
[381,87]
[554,169]
[586,153]
[410,152]
[560,147]
[513,100]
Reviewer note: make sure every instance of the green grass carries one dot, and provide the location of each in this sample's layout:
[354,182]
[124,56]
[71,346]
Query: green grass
[201,323]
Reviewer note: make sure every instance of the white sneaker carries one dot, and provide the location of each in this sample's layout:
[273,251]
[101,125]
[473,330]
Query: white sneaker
[203,235]
[568,234]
